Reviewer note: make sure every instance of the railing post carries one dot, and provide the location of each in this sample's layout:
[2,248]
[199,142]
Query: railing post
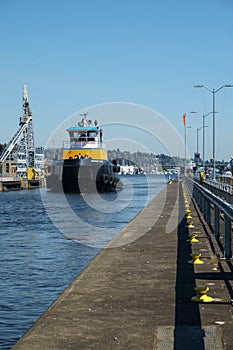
[196,195]
[216,222]
[204,206]
[199,197]
[201,201]
[208,214]
[227,237]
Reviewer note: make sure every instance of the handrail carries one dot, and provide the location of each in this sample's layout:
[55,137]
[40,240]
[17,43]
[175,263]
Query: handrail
[205,198]
[83,144]
[225,207]
[220,185]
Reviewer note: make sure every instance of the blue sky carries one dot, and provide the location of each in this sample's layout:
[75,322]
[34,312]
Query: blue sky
[74,54]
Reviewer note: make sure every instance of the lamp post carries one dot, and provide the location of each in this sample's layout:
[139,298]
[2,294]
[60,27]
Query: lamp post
[198,129]
[203,135]
[185,145]
[213,91]
[53,145]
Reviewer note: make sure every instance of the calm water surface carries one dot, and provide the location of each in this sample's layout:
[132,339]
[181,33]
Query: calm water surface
[38,260]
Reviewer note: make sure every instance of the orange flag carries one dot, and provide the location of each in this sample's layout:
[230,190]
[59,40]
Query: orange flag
[184,119]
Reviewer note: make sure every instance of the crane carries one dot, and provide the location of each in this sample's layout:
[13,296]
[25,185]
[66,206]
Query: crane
[24,139]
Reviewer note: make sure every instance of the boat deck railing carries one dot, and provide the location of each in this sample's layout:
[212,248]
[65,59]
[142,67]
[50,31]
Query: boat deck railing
[87,143]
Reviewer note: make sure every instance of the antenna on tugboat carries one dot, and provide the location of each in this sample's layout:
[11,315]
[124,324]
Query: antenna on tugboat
[83,114]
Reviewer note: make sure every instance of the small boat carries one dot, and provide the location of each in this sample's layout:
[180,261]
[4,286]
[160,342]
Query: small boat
[84,166]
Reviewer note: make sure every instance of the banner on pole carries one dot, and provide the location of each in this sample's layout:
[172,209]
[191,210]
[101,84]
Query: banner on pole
[184,119]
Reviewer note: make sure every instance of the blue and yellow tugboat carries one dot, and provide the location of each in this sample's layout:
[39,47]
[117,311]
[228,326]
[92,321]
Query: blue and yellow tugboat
[84,166]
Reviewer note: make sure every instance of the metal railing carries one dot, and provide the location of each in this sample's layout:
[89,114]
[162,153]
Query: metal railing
[83,144]
[206,200]
[222,190]
[222,185]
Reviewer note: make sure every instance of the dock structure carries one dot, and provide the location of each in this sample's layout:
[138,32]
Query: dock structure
[13,183]
[146,289]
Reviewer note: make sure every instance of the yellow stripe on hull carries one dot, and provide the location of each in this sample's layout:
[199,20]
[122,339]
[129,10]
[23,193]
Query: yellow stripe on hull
[91,153]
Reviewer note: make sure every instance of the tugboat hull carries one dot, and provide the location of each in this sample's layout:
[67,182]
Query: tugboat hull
[84,175]
[84,166]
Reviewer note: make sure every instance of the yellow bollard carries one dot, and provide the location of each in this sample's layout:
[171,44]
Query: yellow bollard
[195,259]
[201,177]
[190,224]
[187,215]
[170,182]
[201,295]
[187,210]
[192,238]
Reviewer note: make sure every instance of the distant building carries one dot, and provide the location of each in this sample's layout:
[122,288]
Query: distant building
[11,166]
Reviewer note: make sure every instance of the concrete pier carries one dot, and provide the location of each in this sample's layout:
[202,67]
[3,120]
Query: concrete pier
[136,293]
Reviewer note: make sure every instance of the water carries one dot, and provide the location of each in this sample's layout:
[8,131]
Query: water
[38,260]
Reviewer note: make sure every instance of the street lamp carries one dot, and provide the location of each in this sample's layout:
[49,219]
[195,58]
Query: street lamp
[53,145]
[185,142]
[203,135]
[213,91]
[198,129]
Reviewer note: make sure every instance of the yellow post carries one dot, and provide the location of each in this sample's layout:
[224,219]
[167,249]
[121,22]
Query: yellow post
[195,259]
[31,173]
[192,238]
[201,295]
[190,224]
[201,177]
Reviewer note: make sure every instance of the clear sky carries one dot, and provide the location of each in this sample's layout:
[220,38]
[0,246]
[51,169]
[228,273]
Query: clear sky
[74,54]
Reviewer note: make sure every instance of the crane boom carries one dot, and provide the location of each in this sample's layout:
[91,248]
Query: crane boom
[14,140]
[24,139]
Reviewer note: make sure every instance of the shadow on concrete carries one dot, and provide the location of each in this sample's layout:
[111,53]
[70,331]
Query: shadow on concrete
[188,332]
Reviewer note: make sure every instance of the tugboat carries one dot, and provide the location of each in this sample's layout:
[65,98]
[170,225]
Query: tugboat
[84,166]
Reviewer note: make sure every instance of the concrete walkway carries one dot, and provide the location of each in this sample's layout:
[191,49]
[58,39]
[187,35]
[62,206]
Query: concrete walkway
[136,293]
